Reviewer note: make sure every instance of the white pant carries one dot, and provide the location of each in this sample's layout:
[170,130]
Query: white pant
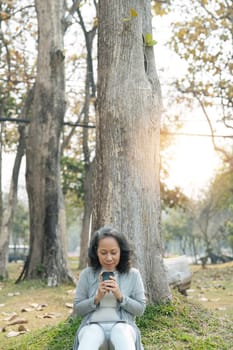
[118,336]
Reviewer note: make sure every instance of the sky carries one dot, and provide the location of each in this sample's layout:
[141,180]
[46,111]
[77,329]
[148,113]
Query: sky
[7,167]
[194,160]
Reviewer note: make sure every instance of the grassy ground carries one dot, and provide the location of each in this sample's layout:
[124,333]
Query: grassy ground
[201,321]
[213,288]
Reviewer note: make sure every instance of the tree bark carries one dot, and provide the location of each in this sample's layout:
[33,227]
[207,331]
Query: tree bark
[127,169]
[11,206]
[46,255]
[90,92]
[87,215]
[12,198]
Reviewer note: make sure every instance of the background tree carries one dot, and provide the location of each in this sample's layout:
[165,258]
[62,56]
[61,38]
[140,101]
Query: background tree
[127,163]
[15,79]
[177,230]
[203,39]
[89,162]
[46,256]
[20,227]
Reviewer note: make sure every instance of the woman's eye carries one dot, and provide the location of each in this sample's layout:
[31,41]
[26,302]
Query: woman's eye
[105,253]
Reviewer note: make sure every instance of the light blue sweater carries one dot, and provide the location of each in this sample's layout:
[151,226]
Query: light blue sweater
[133,304]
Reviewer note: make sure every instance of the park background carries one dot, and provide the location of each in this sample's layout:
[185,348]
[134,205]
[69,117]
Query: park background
[194,67]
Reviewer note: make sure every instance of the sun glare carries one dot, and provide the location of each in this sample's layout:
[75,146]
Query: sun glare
[193,165]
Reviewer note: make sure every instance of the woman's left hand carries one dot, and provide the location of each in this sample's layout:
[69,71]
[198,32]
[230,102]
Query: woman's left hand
[112,286]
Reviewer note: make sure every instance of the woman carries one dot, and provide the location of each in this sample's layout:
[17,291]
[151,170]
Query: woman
[109,304]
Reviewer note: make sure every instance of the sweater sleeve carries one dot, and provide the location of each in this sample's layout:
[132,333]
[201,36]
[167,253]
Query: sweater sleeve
[83,302]
[135,302]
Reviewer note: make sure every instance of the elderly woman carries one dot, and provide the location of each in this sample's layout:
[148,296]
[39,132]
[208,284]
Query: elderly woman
[108,296]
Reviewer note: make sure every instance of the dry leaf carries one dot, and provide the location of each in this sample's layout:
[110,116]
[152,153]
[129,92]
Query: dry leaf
[49,315]
[69,305]
[34,305]
[13,294]
[203,299]
[11,316]
[27,309]
[19,321]
[21,328]
[71,291]
[43,305]
[14,334]
[38,307]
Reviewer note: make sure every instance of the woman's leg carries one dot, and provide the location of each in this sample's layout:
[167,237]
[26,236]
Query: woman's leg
[123,336]
[91,337]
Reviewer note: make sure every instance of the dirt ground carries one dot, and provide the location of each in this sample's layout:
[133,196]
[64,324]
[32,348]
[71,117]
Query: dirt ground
[32,305]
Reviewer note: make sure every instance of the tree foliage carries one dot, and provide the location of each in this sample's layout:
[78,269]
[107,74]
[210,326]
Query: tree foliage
[203,39]
[20,229]
[72,179]
[17,69]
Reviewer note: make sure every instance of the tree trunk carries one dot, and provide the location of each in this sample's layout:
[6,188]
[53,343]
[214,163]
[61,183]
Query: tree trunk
[46,255]
[12,198]
[90,92]
[87,215]
[127,171]
[3,271]
[11,206]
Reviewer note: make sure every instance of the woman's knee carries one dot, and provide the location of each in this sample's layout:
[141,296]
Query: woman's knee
[123,330]
[92,331]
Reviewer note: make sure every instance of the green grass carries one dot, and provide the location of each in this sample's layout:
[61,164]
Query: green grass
[184,325]
[179,325]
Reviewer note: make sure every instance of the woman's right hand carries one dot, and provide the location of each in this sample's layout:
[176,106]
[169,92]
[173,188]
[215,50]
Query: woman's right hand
[101,290]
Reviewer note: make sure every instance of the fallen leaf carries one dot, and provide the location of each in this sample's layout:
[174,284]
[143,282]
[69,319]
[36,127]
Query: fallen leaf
[71,291]
[34,305]
[4,313]
[203,299]
[11,317]
[13,294]
[13,334]
[69,305]
[19,321]
[27,309]
[21,328]
[38,307]
[49,315]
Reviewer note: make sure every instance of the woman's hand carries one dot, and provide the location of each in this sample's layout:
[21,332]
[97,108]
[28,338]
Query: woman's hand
[111,285]
[102,290]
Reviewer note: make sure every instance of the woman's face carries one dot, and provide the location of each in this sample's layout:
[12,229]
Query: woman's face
[109,253]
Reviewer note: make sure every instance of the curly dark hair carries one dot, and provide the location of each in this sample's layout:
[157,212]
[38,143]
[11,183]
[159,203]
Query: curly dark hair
[125,251]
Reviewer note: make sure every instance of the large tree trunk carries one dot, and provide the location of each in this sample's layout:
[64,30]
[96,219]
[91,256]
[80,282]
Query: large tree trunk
[127,171]
[46,256]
